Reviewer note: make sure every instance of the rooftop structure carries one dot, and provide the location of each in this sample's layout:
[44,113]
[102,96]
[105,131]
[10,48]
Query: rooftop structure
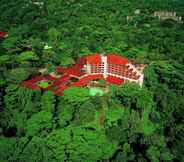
[114,69]
[163,15]
[3,34]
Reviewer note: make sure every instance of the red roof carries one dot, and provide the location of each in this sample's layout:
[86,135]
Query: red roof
[30,85]
[96,58]
[74,70]
[85,80]
[82,60]
[61,80]
[115,59]
[36,79]
[114,80]
[2,34]
[60,90]
[60,69]
[50,77]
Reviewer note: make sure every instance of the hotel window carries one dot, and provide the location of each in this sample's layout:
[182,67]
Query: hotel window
[93,68]
[98,68]
[130,75]
[101,68]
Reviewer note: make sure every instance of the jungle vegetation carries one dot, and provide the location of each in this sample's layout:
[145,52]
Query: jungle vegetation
[127,124]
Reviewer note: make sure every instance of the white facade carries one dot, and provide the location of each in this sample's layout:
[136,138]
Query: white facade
[104,66]
[163,15]
[126,72]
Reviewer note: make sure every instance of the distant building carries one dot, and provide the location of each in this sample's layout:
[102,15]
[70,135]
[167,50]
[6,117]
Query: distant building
[3,34]
[163,15]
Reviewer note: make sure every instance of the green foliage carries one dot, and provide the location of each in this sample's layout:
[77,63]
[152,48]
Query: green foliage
[28,55]
[86,113]
[97,102]
[113,115]
[48,102]
[76,95]
[85,52]
[53,34]
[43,84]
[39,124]
[7,149]
[65,113]
[155,155]
[126,154]
[66,61]
[17,75]
[4,59]
[56,142]
[96,91]
[32,149]
[132,96]
[90,145]
[128,123]
[10,43]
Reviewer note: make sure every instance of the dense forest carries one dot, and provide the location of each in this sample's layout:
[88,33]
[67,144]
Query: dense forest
[128,123]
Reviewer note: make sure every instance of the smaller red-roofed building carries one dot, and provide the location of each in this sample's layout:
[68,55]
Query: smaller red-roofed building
[3,34]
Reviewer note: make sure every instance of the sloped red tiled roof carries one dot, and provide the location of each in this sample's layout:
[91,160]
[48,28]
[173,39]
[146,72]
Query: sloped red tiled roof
[74,71]
[96,58]
[50,77]
[61,80]
[115,59]
[82,60]
[60,69]
[31,85]
[85,80]
[114,80]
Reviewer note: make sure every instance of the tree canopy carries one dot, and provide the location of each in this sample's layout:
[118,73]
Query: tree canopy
[129,123]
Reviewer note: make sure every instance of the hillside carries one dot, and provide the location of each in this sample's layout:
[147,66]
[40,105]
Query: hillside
[127,123]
